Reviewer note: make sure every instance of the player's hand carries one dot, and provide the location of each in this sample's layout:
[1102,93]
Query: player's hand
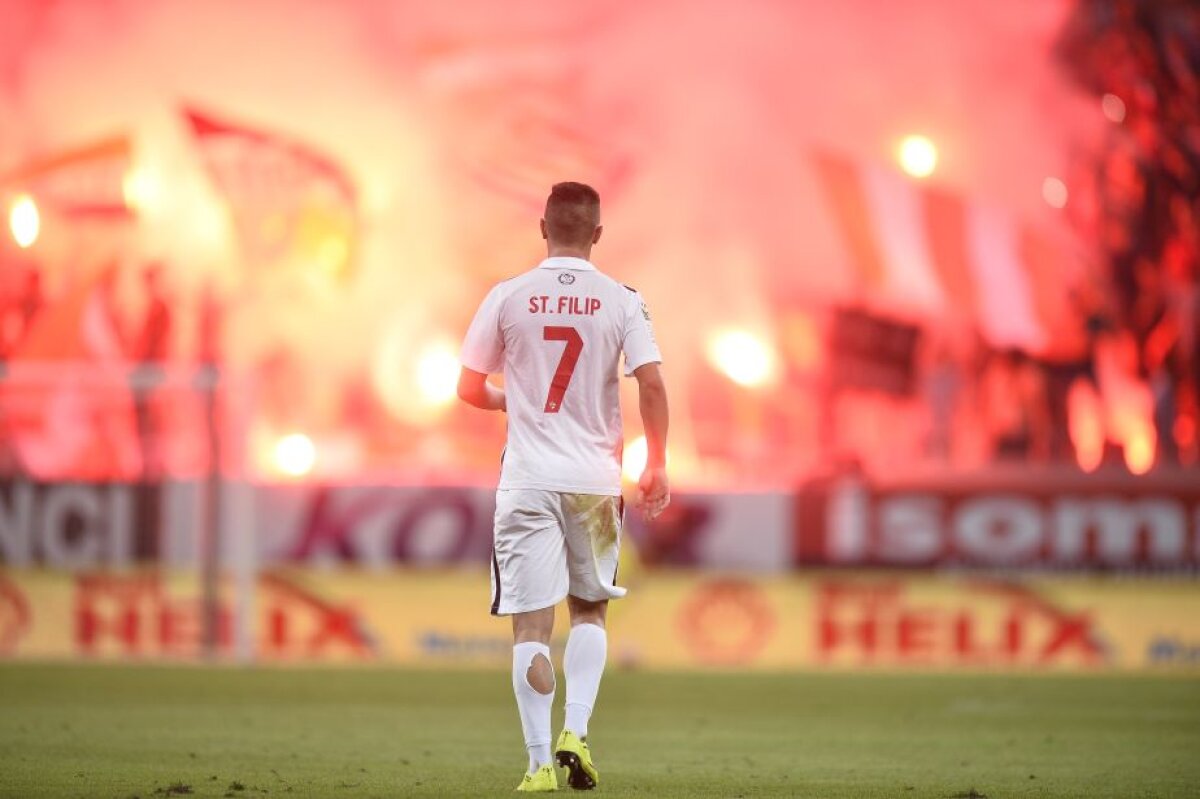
[654,492]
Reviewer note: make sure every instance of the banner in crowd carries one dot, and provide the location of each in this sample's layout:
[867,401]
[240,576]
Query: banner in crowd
[869,351]
[934,250]
[81,182]
[289,202]
[670,620]
[1069,522]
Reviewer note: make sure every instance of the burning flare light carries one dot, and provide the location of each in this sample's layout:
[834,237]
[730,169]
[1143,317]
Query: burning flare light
[24,221]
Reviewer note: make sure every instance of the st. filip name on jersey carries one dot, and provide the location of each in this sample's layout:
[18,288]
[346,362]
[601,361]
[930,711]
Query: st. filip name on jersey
[576,306]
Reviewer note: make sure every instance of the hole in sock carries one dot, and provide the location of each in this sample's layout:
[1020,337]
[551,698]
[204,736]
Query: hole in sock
[540,674]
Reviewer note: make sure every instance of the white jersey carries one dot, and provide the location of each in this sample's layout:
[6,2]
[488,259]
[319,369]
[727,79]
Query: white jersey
[558,332]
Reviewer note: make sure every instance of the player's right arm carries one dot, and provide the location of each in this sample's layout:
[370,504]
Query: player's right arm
[653,487]
[483,354]
[474,389]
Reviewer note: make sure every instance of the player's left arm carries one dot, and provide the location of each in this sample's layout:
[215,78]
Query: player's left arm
[474,389]
[642,360]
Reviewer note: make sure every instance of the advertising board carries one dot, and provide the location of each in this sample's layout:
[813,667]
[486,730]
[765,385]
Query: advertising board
[670,620]
[86,526]
[1058,521]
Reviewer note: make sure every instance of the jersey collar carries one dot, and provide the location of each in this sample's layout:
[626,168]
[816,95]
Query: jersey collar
[566,262]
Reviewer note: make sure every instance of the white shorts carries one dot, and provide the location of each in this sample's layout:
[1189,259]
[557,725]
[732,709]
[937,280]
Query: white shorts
[548,544]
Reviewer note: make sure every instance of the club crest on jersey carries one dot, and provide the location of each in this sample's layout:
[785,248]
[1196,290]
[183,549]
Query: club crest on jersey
[566,278]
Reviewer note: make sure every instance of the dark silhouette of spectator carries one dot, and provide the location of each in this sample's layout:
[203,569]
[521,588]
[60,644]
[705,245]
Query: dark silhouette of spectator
[151,351]
[29,303]
[1015,407]
[942,388]
[20,310]
[154,340]
[1172,357]
[208,334]
[1072,358]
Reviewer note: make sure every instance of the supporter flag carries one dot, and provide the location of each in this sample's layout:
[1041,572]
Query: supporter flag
[79,183]
[936,251]
[291,205]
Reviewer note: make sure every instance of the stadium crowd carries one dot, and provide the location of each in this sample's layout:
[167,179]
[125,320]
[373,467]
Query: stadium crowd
[1142,59]
[1124,370]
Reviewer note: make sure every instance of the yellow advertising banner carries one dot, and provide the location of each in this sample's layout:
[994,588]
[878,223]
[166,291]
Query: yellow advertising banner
[670,620]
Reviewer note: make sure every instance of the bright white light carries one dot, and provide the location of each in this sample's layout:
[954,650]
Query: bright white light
[1054,192]
[24,221]
[917,155]
[743,357]
[295,455]
[141,189]
[633,462]
[437,374]
[209,224]
[1113,108]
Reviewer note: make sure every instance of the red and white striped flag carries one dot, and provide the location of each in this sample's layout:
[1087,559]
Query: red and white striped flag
[935,251]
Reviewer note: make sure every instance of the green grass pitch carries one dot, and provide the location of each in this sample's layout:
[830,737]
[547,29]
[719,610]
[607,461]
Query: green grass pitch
[121,732]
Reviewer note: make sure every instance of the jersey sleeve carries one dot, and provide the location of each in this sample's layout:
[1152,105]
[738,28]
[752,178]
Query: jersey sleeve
[483,347]
[639,345]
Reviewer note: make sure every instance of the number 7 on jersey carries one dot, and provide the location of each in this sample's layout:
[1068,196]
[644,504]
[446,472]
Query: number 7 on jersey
[566,364]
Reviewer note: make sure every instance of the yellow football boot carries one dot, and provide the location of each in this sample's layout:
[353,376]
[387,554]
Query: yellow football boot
[543,780]
[572,753]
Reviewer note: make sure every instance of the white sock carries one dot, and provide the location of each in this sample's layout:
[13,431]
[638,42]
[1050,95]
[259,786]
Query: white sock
[534,707]
[583,665]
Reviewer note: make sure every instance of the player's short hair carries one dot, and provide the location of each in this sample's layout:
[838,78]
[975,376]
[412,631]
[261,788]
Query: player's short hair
[572,213]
